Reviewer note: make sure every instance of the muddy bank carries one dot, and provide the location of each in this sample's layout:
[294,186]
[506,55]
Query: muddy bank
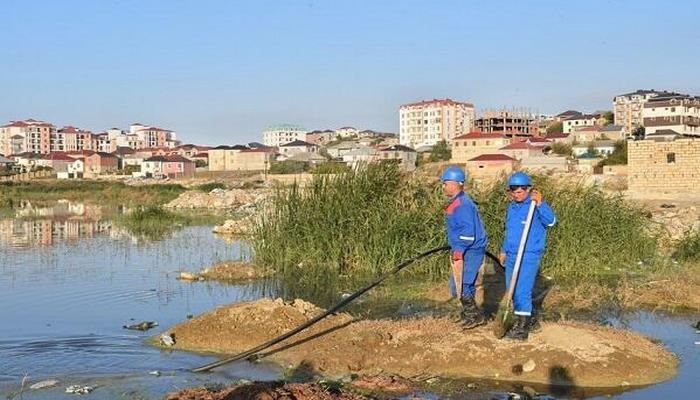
[228,271]
[573,354]
[265,391]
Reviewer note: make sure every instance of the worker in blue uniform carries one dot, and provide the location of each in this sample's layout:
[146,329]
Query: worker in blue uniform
[521,193]
[467,239]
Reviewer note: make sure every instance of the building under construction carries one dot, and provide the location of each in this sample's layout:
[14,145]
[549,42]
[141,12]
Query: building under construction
[513,122]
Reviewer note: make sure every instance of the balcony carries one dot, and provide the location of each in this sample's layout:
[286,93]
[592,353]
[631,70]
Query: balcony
[668,121]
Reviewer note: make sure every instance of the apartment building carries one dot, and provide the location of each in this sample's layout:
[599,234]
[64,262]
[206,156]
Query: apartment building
[515,122]
[628,108]
[677,112]
[427,122]
[26,136]
[278,135]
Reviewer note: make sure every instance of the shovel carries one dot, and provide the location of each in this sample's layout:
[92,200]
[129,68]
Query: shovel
[504,317]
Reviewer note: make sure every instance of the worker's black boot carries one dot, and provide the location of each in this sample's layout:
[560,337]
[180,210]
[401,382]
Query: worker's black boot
[534,325]
[519,331]
[471,315]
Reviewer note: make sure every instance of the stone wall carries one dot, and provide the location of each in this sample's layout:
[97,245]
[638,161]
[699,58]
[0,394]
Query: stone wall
[664,167]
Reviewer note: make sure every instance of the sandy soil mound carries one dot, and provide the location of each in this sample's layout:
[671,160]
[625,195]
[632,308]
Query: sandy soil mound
[561,354]
[264,391]
[234,271]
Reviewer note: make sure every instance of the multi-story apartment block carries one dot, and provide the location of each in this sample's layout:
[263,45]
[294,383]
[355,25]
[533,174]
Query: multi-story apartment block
[428,122]
[677,112]
[628,107]
[278,135]
[508,122]
[26,136]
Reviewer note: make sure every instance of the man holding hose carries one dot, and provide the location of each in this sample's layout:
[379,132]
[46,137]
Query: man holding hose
[467,238]
[519,186]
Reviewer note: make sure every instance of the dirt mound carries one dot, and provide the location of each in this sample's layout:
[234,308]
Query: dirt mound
[265,391]
[234,271]
[240,199]
[561,354]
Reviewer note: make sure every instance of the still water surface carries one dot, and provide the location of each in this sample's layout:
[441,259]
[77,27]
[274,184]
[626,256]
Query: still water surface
[70,278]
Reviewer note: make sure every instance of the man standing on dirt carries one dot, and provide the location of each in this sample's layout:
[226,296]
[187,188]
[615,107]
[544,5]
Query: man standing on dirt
[519,186]
[467,238]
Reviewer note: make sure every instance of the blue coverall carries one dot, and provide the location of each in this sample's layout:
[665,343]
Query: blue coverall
[467,237]
[543,218]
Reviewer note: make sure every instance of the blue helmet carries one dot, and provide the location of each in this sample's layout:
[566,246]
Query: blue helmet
[453,174]
[519,179]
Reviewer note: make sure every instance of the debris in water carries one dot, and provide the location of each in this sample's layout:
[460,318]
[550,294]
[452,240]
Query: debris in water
[167,339]
[189,276]
[190,316]
[697,342]
[78,389]
[514,396]
[697,327]
[154,373]
[44,384]
[141,326]
[529,366]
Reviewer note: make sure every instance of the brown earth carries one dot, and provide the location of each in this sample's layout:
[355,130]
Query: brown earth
[561,354]
[264,391]
[231,271]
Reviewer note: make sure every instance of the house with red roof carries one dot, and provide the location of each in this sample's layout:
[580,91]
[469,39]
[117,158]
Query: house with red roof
[491,165]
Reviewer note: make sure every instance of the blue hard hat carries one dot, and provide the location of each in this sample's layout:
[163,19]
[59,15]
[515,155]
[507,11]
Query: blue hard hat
[453,174]
[519,179]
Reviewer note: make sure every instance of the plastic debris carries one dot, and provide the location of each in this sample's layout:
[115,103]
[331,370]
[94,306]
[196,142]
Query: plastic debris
[529,366]
[44,384]
[79,389]
[167,340]
[154,373]
[141,326]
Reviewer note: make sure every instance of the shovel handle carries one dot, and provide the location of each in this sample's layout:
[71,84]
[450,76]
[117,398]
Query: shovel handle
[521,250]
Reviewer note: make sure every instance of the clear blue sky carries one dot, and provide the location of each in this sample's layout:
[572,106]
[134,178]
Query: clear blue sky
[221,71]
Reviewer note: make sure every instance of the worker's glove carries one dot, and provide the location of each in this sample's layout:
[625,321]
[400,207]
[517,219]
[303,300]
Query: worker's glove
[536,197]
[457,256]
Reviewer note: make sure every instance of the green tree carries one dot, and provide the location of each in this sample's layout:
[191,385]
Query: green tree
[441,152]
[561,148]
[609,117]
[288,167]
[557,127]
[200,163]
[618,156]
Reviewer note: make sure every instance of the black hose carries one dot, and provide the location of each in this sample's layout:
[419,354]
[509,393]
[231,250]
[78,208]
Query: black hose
[319,317]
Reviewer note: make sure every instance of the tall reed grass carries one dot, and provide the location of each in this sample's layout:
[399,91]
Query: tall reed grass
[355,225]
[155,223]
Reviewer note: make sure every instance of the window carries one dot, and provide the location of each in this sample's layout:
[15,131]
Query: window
[670,158]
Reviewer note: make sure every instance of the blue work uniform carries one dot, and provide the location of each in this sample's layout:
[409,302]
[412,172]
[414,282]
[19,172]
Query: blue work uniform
[542,219]
[466,236]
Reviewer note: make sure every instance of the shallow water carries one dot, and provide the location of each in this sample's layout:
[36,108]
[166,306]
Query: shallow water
[69,280]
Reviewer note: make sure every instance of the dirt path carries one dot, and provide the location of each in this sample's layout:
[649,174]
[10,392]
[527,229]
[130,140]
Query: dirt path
[561,354]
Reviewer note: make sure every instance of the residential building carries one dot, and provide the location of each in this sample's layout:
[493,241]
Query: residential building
[360,155]
[320,138]
[572,123]
[545,163]
[678,112]
[240,158]
[405,156]
[100,163]
[560,137]
[599,147]
[566,115]
[613,132]
[521,150]
[5,162]
[156,137]
[490,166]
[516,122]
[628,108]
[278,135]
[664,166]
[586,134]
[176,166]
[222,158]
[152,167]
[470,145]
[338,150]
[431,121]
[30,135]
[347,132]
[297,146]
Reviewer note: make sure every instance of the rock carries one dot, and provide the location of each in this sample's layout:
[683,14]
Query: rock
[189,276]
[529,366]
[141,326]
[44,384]
[167,340]
[697,326]
[78,389]
[242,226]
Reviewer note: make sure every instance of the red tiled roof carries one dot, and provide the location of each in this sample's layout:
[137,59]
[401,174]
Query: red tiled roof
[538,139]
[176,158]
[436,101]
[492,157]
[60,156]
[481,135]
[557,135]
[518,146]
[155,129]
[588,128]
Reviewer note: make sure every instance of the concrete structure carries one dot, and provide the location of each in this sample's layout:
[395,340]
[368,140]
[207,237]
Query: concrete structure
[516,122]
[278,135]
[240,158]
[542,163]
[678,112]
[588,165]
[490,165]
[221,158]
[470,145]
[320,138]
[669,166]
[628,108]
[572,123]
[428,122]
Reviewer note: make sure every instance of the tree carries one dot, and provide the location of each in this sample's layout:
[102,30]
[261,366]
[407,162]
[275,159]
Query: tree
[561,148]
[618,156]
[609,117]
[441,152]
[638,133]
[557,127]
[200,163]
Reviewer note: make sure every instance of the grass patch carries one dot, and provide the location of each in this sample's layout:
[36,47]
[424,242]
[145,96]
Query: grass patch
[156,223]
[342,230]
[688,247]
[14,193]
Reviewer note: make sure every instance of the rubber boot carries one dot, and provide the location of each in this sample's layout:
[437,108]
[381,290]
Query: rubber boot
[471,316]
[519,331]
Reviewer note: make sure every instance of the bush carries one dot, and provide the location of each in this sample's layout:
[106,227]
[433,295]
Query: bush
[688,247]
[618,156]
[330,168]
